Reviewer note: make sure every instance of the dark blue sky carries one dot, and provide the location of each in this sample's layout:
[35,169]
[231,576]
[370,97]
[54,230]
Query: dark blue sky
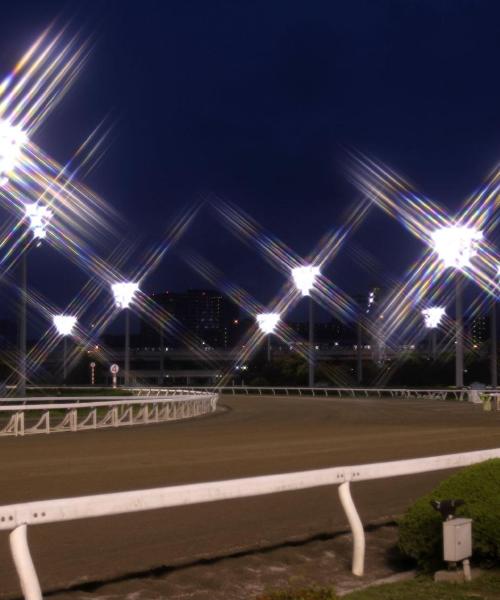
[258,102]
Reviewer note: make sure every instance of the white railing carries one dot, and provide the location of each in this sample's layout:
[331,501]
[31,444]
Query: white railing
[428,394]
[49,415]
[16,517]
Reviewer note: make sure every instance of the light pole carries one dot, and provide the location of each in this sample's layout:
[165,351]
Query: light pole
[38,217]
[304,279]
[432,319]
[267,323]
[64,325]
[455,246]
[123,293]
[493,343]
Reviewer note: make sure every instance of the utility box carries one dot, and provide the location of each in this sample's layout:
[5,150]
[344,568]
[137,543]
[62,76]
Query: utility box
[457,539]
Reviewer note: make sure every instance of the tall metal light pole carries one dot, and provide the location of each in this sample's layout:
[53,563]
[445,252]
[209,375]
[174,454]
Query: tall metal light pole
[12,140]
[64,325]
[38,217]
[456,245]
[493,343]
[123,293]
[304,279]
[267,323]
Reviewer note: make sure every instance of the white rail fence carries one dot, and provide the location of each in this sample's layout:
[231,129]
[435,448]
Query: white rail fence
[17,517]
[424,394]
[50,415]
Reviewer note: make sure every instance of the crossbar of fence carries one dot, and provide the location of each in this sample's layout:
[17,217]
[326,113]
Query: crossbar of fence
[17,517]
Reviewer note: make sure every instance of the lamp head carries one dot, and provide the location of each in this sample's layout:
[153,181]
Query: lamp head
[433,315]
[123,293]
[267,322]
[456,245]
[64,324]
[39,217]
[305,278]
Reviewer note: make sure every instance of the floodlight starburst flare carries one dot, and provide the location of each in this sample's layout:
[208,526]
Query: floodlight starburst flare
[433,316]
[64,324]
[123,293]
[305,277]
[39,217]
[12,139]
[268,322]
[456,245]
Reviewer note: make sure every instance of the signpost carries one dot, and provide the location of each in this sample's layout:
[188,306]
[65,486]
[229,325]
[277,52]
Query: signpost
[92,373]
[113,369]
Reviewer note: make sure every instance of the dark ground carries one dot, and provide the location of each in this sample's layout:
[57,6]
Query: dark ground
[254,436]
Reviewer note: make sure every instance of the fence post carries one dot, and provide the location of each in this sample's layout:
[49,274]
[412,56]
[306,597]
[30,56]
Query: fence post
[358,533]
[18,540]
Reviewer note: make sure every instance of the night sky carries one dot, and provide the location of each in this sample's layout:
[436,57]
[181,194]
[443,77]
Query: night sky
[260,103]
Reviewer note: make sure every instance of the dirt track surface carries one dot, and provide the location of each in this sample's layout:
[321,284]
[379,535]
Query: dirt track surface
[253,436]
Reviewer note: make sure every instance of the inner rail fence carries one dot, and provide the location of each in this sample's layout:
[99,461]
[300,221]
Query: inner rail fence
[29,416]
[17,517]
[408,393]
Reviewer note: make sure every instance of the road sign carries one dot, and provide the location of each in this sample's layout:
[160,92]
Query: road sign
[92,364]
[114,368]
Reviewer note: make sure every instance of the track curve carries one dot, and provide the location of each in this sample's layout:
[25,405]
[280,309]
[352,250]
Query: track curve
[254,436]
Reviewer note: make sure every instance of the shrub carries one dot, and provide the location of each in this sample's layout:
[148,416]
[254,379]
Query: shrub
[420,529]
[304,594]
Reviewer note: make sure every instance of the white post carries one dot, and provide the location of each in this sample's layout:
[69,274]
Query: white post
[18,540]
[358,533]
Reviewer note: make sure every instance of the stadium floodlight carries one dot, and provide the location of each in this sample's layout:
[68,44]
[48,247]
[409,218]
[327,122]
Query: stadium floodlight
[456,245]
[124,293]
[39,217]
[12,139]
[64,324]
[433,315]
[305,278]
[268,322]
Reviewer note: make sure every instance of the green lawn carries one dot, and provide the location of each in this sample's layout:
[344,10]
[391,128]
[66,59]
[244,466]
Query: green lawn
[486,587]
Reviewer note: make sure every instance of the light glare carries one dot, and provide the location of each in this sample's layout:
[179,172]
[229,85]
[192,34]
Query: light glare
[432,316]
[12,139]
[456,245]
[267,322]
[124,293]
[305,278]
[64,324]
[39,217]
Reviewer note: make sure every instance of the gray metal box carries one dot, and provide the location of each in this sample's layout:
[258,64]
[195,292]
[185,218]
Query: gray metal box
[457,539]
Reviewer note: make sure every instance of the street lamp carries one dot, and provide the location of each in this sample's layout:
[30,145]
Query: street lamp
[305,278]
[267,323]
[12,139]
[456,245]
[432,319]
[64,325]
[38,217]
[123,293]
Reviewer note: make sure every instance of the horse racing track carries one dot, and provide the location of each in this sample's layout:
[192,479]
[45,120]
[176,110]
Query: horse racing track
[247,436]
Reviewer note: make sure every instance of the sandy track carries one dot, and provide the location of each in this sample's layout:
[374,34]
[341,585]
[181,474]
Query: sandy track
[254,436]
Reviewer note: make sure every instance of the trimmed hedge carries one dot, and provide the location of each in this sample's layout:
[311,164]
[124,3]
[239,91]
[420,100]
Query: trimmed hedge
[420,529]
